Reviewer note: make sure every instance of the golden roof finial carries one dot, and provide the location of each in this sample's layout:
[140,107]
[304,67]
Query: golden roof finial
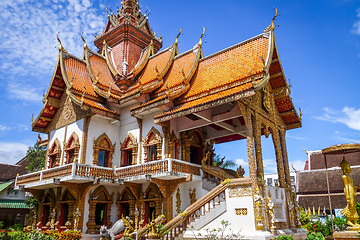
[271,27]
[178,34]
[60,47]
[300,112]
[83,95]
[44,93]
[305,150]
[32,118]
[85,46]
[202,35]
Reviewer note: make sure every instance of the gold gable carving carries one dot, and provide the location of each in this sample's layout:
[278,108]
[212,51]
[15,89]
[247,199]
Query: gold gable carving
[68,113]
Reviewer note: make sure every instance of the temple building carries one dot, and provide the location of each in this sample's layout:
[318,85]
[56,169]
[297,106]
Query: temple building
[131,128]
[320,183]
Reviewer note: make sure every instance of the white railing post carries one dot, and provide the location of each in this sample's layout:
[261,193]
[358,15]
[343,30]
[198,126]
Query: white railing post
[41,175]
[73,169]
[169,165]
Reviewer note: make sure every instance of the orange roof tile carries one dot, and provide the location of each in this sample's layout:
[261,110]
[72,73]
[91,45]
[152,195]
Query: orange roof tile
[229,66]
[95,104]
[77,69]
[101,70]
[158,61]
[174,76]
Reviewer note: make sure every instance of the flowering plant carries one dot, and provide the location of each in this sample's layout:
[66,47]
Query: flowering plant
[70,235]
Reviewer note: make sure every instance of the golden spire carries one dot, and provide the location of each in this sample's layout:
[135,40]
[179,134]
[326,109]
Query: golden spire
[60,46]
[85,45]
[32,118]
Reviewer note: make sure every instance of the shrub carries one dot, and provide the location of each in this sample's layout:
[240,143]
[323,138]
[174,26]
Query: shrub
[315,236]
[284,237]
[70,235]
[304,218]
[16,227]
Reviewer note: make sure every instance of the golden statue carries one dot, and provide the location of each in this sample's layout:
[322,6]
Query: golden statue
[350,193]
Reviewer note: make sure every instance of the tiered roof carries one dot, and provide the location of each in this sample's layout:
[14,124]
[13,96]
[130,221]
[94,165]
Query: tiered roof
[177,84]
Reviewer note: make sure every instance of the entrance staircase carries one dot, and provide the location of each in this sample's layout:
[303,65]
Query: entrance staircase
[195,217]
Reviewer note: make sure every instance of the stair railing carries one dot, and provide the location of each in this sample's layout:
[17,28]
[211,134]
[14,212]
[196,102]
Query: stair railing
[210,200]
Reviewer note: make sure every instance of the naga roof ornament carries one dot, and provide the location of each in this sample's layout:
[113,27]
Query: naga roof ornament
[271,27]
[61,48]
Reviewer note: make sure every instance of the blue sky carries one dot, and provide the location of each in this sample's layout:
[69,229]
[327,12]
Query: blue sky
[318,44]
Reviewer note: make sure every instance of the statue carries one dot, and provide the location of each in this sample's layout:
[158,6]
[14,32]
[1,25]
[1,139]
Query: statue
[350,193]
[272,215]
[115,229]
[52,222]
[77,215]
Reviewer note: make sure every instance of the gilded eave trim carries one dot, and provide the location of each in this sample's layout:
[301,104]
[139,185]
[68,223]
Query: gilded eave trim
[63,70]
[204,106]
[174,51]
[107,58]
[262,83]
[150,51]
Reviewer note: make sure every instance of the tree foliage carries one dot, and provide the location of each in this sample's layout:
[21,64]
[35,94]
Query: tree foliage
[221,162]
[35,158]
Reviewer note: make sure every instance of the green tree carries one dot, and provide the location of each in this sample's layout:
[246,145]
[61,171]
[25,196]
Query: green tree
[35,158]
[221,162]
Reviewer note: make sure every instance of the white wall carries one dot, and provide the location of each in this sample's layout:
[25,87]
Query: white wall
[98,126]
[59,133]
[19,196]
[129,124]
[184,194]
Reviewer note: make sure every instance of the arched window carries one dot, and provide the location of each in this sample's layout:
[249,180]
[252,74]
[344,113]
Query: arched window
[192,146]
[152,145]
[126,204]
[152,203]
[174,146]
[54,154]
[72,149]
[99,210]
[129,151]
[103,151]
[67,202]
[47,205]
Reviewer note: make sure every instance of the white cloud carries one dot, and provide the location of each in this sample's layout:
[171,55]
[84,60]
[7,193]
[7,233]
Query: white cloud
[241,162]
[4,128]
[347,116]
[356,25]
[22,92]
[297,164]
[12,152]
[28,32]
[269,165]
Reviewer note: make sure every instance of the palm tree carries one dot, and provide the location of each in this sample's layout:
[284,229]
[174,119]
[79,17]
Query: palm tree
[218,161]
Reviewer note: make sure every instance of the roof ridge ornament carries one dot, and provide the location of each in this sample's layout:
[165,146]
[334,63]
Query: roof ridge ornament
[202,35]
[61,48]
[85,45]
[271,27]
[176,41]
